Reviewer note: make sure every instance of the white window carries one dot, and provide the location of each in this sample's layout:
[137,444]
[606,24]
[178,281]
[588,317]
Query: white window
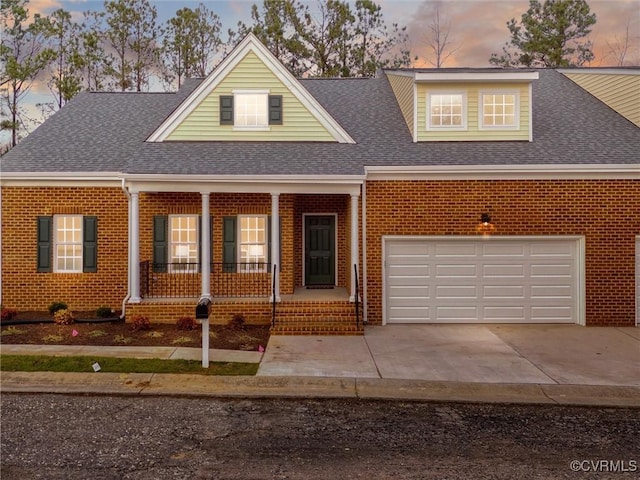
[253,243]
[447,111]
[251,109]
[68,243]
[499,110]
[183,247]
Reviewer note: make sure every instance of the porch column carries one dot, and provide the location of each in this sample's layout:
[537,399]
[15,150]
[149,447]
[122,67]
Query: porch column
[275,246]
[134,238]
[205,248]
[355,245]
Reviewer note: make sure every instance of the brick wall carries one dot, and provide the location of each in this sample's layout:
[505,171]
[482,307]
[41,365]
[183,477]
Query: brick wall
[23,288]
[606,212]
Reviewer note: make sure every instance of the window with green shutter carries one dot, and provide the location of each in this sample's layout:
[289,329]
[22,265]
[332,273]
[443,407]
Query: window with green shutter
[67,244]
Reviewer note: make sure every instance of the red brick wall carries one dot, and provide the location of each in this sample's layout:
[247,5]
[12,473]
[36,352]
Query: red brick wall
[23,288]
[606,212]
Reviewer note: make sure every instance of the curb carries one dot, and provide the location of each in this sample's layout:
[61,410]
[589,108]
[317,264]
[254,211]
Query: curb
[184,385]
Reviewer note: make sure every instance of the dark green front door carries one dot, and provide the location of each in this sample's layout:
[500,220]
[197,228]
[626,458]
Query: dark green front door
[319,250]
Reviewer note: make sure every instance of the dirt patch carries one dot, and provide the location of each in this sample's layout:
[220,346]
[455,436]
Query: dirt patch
[119,333]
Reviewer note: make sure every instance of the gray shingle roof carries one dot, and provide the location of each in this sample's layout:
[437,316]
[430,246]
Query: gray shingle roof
[106,132]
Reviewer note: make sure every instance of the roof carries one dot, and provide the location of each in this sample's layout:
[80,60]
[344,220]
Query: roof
[106,132]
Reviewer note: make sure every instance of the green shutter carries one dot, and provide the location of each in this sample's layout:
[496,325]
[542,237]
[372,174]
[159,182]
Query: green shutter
[44,243]
[226,109]
[275,109]
[229,232]
[160,243]
[89,244]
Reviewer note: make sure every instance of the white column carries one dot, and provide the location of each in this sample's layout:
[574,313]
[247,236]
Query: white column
[275,245]
[205,248]
[355,251]
[134,238]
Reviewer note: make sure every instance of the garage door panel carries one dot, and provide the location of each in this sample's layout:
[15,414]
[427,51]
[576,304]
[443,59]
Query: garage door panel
[456,291]
[502,314]
[511,250]
[449,271]
[503,291]
[482,281]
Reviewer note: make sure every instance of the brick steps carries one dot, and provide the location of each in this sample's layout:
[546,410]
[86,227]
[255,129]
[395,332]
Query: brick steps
[317,318]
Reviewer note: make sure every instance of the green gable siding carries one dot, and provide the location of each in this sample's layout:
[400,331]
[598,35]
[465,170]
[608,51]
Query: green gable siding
[473,132]
[402,87]
[203,124]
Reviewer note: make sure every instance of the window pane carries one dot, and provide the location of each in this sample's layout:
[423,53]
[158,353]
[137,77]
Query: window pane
[499,110]
[446,110]
[251,110]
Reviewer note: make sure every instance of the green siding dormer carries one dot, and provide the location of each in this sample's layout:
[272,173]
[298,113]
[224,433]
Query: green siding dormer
[296,122]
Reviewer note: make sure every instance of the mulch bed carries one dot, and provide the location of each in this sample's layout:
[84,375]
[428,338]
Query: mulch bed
[37,328]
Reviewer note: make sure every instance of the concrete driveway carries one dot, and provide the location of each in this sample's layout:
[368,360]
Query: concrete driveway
[508,354]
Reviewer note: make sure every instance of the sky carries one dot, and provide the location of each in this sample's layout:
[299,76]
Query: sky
[477,27]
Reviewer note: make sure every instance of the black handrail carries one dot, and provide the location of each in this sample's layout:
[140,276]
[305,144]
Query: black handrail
[273,296]
[357,299]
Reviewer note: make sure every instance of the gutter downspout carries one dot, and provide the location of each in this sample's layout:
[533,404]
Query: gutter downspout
[365,320]
[128,296]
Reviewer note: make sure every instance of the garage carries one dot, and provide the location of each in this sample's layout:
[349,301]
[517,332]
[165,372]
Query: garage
[482,280]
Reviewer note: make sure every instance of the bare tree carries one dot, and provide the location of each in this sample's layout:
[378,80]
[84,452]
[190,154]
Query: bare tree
[437,37]
[622,47]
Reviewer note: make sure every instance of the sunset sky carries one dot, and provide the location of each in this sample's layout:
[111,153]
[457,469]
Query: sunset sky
[478,27]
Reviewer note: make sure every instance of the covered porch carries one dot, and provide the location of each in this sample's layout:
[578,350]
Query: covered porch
[279,253]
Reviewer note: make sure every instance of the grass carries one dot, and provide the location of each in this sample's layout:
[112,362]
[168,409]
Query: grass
[43,363]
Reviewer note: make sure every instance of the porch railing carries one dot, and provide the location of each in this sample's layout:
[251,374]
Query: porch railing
[184,280]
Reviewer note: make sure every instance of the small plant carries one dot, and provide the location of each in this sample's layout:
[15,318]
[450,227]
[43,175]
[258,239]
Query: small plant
[154,334]
[181,340]
[12,331]
[8,314]
[104,312]
[52,338]
[139,323]
[237,322]
[55,306]
[63,317]
[186,323]
[96,333]
[122,339]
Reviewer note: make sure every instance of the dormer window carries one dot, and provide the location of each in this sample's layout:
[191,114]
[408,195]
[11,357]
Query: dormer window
[499,110]
[251,109]
[447,111]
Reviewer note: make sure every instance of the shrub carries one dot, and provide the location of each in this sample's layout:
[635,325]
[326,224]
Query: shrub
[237,322]
[55,306]
[8,314]
[104,312]
[140,322]
[186,323]
[63,317]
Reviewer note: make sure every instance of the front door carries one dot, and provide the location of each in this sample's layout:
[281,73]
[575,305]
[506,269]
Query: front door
[319,250]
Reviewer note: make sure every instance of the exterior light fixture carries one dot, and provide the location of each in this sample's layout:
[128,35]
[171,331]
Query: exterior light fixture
[485,227]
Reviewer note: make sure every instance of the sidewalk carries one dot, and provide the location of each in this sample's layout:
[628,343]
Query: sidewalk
[532,365]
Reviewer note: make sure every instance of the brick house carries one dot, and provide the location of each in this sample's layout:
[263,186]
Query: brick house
[439,196]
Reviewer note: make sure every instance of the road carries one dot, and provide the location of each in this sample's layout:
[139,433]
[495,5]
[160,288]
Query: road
[99,437]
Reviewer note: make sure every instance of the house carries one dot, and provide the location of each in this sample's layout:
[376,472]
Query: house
[440,196]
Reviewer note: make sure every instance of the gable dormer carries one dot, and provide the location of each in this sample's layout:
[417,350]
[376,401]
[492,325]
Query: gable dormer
[465,104]
[250,96]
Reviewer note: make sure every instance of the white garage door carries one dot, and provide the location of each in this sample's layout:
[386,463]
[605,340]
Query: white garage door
[495,280]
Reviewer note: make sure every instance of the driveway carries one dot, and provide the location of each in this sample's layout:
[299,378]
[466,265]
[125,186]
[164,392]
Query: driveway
[536,354]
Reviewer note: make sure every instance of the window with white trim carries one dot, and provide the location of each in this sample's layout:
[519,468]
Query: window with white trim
[446,111]
[183,243]
[499,110]
[67,243]
[252,251]
[251,109]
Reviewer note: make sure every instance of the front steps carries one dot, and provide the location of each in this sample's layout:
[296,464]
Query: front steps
[317,318]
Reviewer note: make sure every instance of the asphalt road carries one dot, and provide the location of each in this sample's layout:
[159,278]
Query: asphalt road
[99,437]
